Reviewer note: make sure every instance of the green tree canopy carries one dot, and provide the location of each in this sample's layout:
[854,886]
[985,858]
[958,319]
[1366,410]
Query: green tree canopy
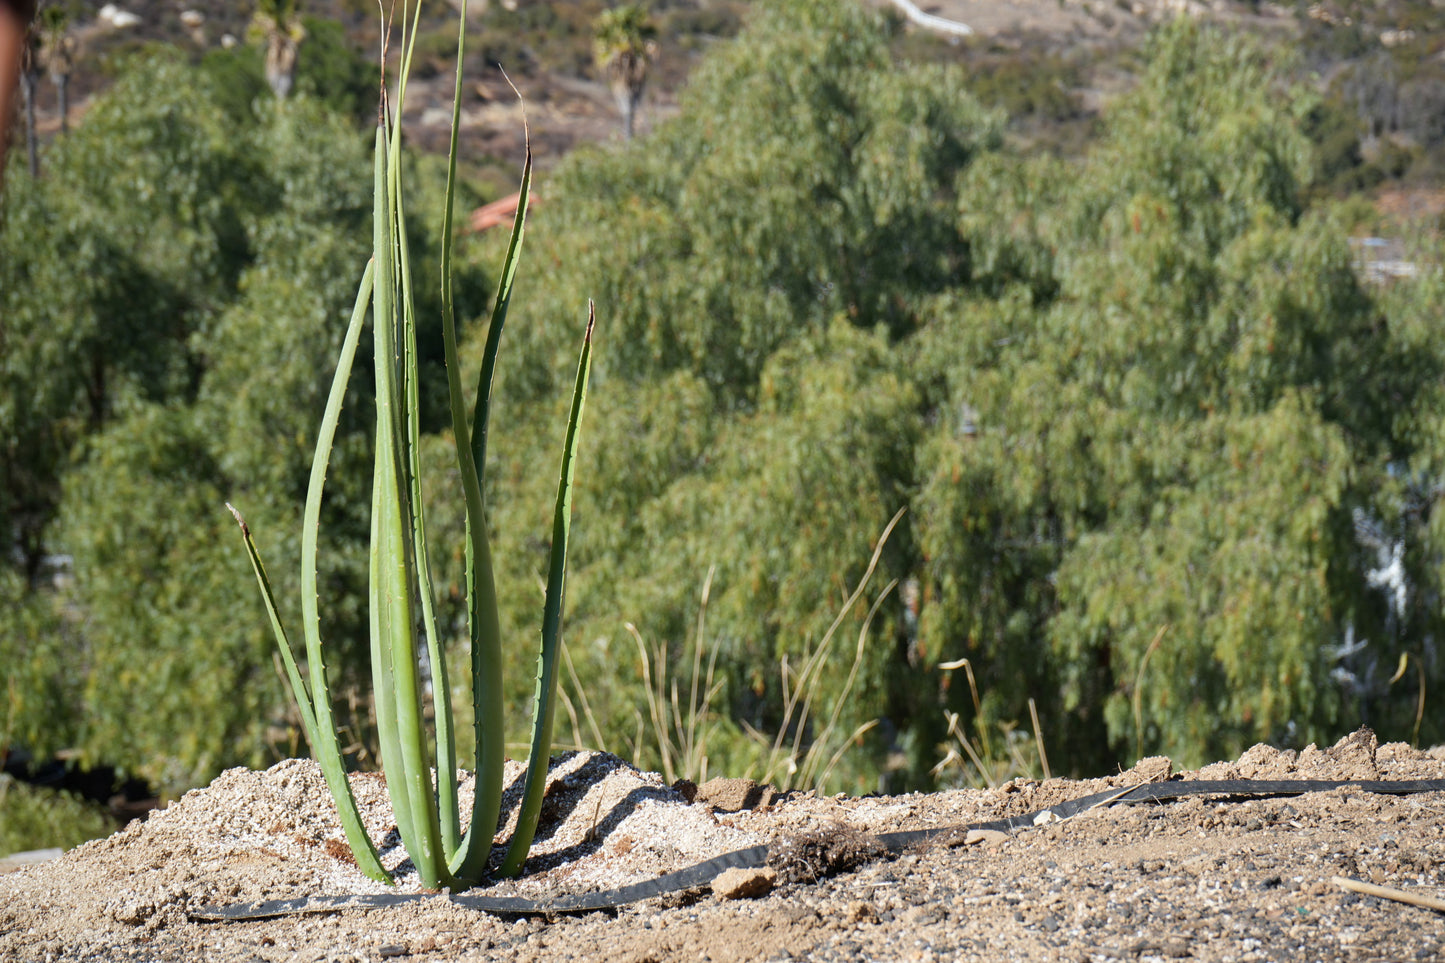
[755,262]
[1141,390]
[174,293]
[1135,393]
[1180,440]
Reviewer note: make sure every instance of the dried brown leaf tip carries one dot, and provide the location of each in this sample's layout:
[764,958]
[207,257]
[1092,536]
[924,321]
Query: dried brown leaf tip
[245,530]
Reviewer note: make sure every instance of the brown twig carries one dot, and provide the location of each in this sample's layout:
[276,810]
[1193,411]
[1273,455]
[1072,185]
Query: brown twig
[1389,892]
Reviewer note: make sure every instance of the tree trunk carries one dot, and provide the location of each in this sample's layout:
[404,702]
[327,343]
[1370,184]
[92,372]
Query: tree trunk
[62,94]
[629,115]
[280,64]
[28,80]
[59,52]
[629,83]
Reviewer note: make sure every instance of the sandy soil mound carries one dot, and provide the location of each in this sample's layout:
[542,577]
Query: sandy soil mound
[1202,878]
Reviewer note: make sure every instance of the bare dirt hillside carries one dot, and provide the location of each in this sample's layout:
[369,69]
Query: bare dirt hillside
[567,108]
[1206,878]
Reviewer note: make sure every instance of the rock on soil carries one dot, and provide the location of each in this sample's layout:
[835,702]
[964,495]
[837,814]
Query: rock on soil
[1201,878]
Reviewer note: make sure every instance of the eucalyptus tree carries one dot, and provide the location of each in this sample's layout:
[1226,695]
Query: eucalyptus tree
[148,343]
[1143,487]
[1138,406]
[754,269]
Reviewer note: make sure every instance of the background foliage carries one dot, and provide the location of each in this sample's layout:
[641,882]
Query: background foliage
[1136,391]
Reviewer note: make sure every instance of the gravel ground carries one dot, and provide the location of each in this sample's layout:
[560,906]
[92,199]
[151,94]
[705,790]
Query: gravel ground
[1203,878]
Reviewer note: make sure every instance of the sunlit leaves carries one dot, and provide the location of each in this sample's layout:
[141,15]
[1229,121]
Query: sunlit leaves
[1180,437]
[137,319]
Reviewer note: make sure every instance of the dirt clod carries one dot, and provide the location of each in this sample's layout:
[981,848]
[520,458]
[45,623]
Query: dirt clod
[745,883]
[734,795]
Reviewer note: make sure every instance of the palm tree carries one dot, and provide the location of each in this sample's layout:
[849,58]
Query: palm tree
[278,25]
[624,45]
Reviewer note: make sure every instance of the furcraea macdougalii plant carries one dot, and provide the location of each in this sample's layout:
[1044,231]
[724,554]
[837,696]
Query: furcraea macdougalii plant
[403,625]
